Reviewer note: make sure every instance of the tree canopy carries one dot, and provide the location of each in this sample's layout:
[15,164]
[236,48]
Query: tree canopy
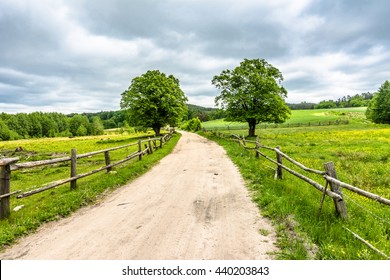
[378,109]
[154,100]
[252,93]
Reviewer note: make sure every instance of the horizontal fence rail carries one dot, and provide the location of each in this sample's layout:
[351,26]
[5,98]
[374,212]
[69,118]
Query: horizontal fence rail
[361,192]
[37,163]
[284,125]
[7,165]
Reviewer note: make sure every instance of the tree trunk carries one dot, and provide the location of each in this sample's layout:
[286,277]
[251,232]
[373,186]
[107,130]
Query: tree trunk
[252,127]
[156,129]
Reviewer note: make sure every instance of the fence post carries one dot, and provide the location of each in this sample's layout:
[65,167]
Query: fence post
[147,148]
[257,146]
[150,146]
[161,142]
[279,170]
[108,160]
[139,149]
[73,166]
[5,186]
[155,144]
[340,206]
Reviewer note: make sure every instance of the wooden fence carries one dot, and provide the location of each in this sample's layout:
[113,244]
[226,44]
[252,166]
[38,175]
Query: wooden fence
[329,174]
[282,125]
[7,165]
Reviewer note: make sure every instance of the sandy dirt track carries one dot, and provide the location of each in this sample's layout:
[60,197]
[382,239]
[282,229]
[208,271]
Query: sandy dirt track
[192,205]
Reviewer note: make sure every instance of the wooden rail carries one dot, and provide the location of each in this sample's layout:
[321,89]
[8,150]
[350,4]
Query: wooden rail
[10,164]
[329,174]
[361,192]
[286,125]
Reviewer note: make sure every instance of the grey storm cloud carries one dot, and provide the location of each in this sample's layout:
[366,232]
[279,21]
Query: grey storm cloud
[79,56]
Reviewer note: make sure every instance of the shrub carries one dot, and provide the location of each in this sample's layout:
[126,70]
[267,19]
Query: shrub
[193,124]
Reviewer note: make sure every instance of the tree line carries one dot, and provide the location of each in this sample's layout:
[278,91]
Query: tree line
[203,114]
[110,119]
[357,100]
[38,124]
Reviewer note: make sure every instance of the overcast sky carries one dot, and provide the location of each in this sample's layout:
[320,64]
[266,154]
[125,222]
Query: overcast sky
[80,55]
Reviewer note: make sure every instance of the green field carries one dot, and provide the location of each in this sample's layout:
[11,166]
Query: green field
[299,117]
[61,201]
[361,153]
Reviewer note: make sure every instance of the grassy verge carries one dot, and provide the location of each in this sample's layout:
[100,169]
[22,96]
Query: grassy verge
[362,158]
[61,202]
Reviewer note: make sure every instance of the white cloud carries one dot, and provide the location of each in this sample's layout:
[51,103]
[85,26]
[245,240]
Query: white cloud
[80,55]
[333,75]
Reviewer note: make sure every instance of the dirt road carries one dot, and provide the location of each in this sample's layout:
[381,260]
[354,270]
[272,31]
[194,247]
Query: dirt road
[192,205]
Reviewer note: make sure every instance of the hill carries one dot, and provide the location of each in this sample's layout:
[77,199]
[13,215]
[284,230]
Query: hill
[204,113]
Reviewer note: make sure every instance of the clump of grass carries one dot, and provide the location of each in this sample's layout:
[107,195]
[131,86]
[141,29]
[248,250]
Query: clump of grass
[264,232]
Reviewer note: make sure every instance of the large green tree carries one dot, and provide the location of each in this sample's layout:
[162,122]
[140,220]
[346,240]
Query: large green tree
[252,93]
[378,109]
[154,100]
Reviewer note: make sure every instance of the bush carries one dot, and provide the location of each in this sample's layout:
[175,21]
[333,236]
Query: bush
[81,131]
[139,129]
[193,124]
[66,133]
[326,105]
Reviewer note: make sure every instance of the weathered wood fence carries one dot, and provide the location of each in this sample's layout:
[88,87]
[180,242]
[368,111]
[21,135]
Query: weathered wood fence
[7,165]
[283,125]
[329,174]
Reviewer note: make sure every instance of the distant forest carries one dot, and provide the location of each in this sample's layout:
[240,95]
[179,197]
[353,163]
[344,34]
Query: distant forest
[38,124]
[357,100]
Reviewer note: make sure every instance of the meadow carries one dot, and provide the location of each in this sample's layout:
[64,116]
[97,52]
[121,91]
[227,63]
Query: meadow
[361,153]
[298,117]
[61,201]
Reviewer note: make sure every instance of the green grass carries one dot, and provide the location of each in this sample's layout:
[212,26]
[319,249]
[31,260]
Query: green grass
[45,147]
[301,117]
[61,201]
[361,155]
[325,115]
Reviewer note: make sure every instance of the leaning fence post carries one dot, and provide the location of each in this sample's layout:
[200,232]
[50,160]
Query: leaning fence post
[73,166]
[5,186]
[340,206]
[108,160]
[279,170]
